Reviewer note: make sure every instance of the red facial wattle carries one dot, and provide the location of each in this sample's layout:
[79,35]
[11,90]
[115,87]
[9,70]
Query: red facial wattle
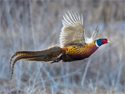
[104,41]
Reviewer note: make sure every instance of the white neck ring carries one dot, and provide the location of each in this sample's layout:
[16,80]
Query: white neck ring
[96,44]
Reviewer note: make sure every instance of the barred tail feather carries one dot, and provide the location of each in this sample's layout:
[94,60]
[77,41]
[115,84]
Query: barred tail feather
[47,55]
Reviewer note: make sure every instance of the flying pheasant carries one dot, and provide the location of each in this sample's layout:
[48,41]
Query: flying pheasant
[74,44]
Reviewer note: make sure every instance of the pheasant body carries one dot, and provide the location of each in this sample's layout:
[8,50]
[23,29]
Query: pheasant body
[74,44]
[77,52]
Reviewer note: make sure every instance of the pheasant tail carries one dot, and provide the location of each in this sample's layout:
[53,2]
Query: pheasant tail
[49,55]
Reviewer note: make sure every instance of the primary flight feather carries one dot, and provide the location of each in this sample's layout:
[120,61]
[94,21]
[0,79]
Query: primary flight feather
[74,45]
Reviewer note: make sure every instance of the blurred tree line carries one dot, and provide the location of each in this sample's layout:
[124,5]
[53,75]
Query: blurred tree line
[93,10]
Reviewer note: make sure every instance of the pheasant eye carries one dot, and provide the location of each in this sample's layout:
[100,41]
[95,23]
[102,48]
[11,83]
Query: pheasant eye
[104,41]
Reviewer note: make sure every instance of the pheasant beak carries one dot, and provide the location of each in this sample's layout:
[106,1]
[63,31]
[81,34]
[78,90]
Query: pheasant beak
[108,42]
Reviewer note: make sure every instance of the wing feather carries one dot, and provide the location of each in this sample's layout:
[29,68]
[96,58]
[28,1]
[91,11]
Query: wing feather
[72,31]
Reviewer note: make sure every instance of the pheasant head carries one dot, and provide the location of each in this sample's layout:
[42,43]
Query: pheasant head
[101,41]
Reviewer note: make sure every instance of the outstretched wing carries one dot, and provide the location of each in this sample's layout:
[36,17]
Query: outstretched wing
[72,31]
[95,33]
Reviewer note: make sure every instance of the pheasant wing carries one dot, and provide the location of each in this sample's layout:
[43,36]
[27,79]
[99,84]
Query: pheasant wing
[72,32]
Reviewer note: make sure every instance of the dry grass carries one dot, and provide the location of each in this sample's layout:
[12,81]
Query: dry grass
[35,25]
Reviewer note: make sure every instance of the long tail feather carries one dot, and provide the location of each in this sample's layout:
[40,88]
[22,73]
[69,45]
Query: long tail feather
[47,55]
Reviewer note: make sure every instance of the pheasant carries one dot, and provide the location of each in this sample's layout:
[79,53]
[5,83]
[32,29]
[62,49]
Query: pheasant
[74,45]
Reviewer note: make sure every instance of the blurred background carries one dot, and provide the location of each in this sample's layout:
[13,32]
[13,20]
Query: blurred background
[36,25]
